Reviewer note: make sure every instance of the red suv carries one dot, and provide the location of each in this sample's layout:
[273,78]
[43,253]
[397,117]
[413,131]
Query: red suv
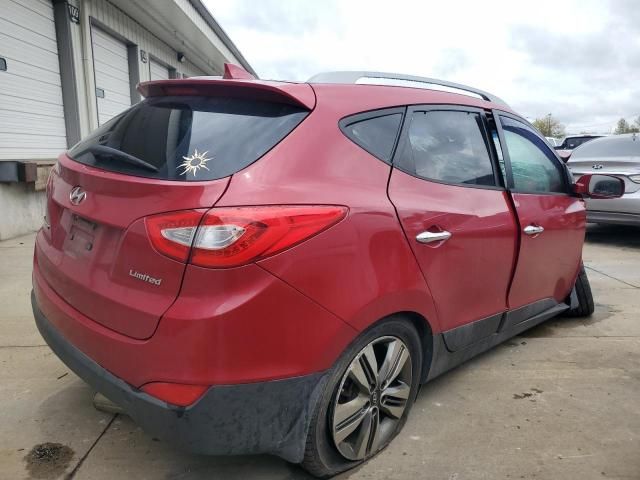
[250,266]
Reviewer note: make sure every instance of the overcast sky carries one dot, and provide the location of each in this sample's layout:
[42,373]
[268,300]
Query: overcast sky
[579,60]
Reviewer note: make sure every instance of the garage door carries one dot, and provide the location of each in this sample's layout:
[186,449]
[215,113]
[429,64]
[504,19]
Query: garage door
[111,66]
[157,71]
[31,113]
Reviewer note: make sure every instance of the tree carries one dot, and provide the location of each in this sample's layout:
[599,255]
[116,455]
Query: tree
[548,126]
[624,127]
[621,127]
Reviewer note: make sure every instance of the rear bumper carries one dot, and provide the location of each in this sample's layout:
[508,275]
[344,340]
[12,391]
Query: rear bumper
[620,211]
[264,417]
[614,218]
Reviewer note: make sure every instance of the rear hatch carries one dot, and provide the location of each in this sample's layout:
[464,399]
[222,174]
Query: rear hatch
[170,152]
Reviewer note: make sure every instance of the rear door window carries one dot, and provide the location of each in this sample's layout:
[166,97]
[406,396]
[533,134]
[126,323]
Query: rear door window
[376,132]
[449,147]
[188,138]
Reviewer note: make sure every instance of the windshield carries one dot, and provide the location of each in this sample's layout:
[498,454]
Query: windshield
[188,138]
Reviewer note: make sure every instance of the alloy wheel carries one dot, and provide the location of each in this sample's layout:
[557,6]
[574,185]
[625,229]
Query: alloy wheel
[372,397]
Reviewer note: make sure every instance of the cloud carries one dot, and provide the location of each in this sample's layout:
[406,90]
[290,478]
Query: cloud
[451,61]
[273,16]
[591,76]
[577,59]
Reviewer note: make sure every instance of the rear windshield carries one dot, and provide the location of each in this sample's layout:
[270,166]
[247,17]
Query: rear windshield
[623,146]
[574,142]
[188,138]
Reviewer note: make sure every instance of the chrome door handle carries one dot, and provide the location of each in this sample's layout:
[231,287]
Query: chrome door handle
[533,230]
[430,237]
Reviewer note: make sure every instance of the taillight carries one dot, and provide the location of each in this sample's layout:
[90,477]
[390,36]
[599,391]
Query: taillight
[229,237]
[172,233]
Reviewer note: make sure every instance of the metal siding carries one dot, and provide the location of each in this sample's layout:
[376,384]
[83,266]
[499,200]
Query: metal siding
[190,70]
[115,19]
[202,25]
[31,114]
[157,71]
[111,67]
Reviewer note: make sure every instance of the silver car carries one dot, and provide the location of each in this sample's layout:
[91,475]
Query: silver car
[619,156]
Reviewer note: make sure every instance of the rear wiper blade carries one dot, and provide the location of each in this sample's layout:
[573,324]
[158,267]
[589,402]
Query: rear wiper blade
[120,155]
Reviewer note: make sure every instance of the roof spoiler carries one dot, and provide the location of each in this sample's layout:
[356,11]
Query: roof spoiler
[236,72]
[237,83]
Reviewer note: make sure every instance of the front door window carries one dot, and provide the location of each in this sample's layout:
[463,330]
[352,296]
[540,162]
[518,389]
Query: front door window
[534,167]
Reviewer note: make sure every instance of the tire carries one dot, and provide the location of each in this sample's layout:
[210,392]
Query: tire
[325,455]
[585,297]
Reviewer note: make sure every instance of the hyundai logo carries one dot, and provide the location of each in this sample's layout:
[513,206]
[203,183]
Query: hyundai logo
[77,195]
[597,166]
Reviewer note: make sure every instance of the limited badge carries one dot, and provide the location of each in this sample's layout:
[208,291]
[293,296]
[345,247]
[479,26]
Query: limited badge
[194,162]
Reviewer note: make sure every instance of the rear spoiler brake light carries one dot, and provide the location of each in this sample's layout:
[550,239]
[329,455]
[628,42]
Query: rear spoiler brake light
[299,94]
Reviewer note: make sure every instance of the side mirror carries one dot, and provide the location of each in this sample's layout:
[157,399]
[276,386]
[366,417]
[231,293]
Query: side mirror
[599,186]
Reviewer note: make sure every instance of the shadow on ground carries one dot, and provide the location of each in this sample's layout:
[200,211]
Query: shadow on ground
[125,451]
[614,235]
[557,325]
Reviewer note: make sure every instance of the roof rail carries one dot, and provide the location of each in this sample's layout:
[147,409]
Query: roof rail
[400,80]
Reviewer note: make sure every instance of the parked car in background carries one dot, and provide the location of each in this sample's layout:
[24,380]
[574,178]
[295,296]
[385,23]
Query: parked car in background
[251,266]
[571,142]
[618,156]
[553,141]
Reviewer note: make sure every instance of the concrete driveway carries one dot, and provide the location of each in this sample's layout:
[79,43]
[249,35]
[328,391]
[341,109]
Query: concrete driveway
[560,402]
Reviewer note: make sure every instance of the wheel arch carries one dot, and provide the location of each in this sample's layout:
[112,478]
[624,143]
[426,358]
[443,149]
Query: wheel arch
[425,333]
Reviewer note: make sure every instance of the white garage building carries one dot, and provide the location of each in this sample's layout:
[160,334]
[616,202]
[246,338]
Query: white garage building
[66,67]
